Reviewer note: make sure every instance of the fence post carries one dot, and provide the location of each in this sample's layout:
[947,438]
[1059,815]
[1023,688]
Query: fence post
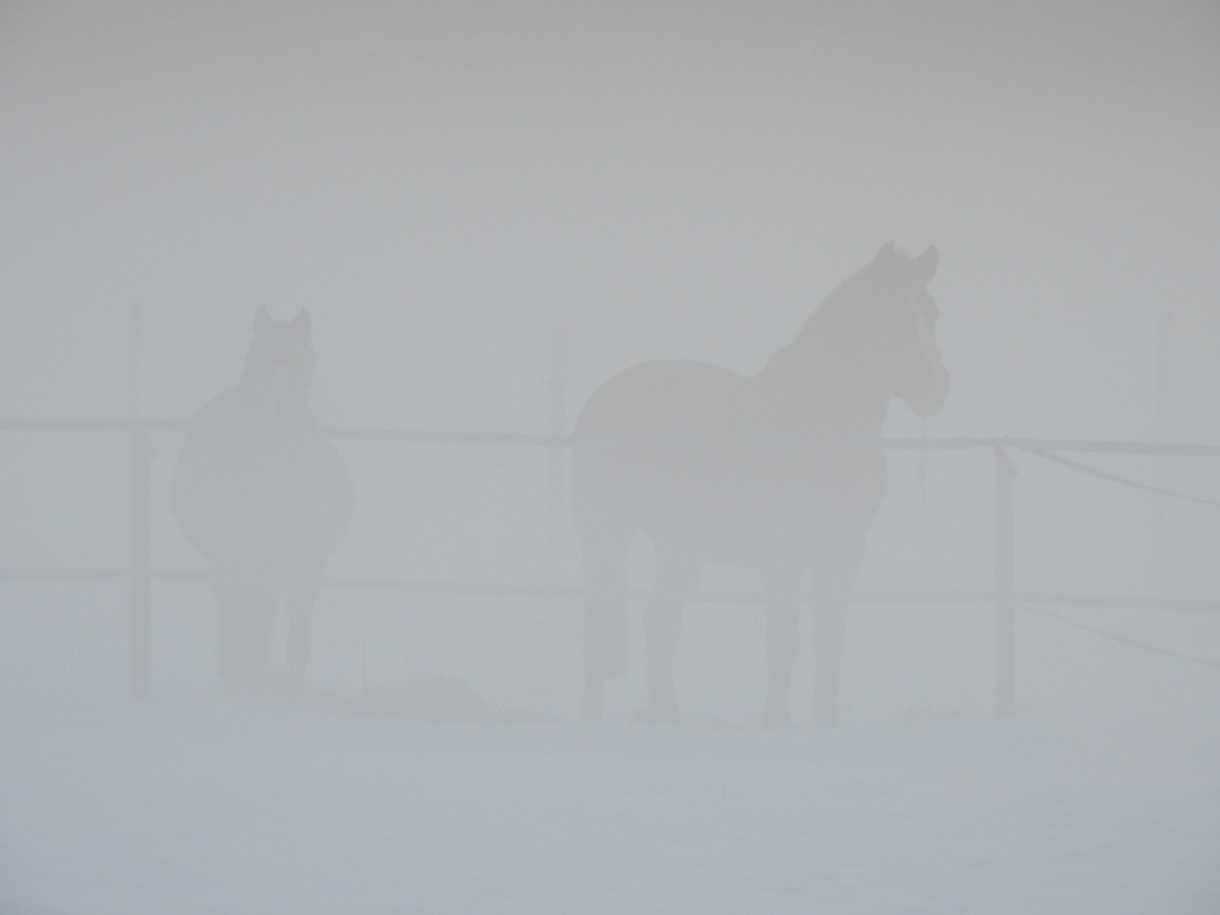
[141,542]
[558,382]
[141,524]
[1005,610]
[1163,347]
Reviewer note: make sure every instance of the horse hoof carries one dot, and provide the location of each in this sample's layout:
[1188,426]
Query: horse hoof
[776,717]
[236,687]
[592,707]
[657,716]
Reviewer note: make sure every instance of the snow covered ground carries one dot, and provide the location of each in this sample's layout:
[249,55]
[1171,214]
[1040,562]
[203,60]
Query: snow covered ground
[111,806]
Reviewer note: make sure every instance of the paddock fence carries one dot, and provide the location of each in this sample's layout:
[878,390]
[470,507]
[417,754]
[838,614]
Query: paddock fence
[1005,597]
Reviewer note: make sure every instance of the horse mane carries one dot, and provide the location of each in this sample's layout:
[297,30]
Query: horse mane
[831,313]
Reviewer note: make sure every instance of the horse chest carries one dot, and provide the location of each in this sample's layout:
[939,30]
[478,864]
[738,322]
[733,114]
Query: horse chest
[265,468]
[261,492]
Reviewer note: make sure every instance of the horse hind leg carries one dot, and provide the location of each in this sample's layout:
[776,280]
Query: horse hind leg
[605,635]
[246,613]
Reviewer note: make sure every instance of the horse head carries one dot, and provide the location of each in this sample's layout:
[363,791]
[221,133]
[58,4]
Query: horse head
[904,320]
[279,365]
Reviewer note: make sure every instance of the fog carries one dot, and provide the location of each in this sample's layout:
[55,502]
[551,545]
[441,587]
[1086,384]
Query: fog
[441,188]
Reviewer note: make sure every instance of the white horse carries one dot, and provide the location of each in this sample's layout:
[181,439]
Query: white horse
[265,497]
[773,471]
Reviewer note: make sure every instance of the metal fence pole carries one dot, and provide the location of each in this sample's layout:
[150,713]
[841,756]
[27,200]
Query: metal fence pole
[141,548]
[141,525]
[1161,424]
[1005,610]
[558,426]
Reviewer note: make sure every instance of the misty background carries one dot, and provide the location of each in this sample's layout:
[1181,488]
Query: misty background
[442,185]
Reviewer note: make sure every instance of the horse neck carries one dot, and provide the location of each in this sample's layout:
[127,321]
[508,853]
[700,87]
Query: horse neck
[819,386]
[290,409]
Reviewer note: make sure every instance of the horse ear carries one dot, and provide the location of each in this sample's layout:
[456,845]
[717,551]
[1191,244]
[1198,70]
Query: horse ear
[886,253]
[925,264]
[302,323]
[262,321]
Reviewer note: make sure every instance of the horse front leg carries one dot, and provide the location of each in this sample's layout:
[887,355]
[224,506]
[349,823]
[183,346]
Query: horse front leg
[837,579]
[677,578]
[247,605]
[300,606]
[605,630]
[829,634]
[232,614]
[782,588]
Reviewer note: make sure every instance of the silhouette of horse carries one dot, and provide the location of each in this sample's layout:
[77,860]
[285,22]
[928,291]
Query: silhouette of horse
[771,471]
[265,497]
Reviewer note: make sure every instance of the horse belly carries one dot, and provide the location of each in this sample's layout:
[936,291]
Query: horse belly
[756,517]
[262,502]
[680,450]
[743,503]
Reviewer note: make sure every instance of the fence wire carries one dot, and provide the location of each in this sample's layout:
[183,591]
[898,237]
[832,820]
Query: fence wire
[1137,644]
[1115,478]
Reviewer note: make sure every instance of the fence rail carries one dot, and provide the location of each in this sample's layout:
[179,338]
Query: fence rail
[556,439]
[513,590]
[1005,596]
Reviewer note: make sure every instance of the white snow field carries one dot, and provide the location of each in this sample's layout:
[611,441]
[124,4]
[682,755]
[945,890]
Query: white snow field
[112,806]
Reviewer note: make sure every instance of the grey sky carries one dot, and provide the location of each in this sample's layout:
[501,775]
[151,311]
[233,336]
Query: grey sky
[441,184]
